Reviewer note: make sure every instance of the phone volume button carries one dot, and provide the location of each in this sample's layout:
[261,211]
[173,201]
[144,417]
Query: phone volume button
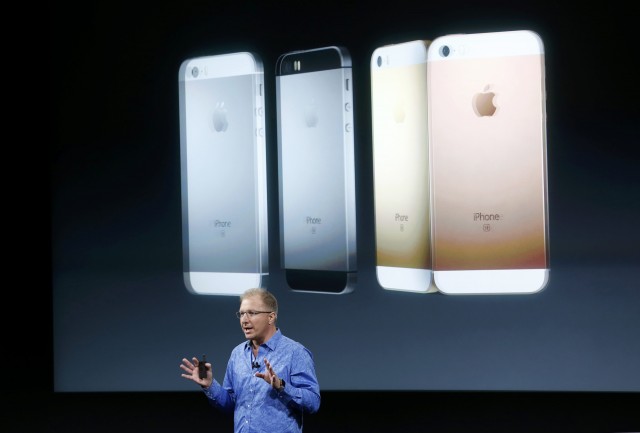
[347,107]
[347,127]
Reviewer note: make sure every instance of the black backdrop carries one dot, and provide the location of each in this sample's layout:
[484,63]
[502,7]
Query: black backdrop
[113,92]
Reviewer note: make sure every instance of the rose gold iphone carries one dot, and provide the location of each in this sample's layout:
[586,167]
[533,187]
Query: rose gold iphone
[488,163]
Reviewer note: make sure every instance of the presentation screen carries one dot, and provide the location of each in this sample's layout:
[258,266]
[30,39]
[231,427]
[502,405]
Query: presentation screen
[438,201]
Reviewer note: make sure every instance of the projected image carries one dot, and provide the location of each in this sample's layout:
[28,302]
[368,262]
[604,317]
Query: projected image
[398,176]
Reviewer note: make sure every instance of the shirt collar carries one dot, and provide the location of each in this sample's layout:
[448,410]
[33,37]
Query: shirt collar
[271,343]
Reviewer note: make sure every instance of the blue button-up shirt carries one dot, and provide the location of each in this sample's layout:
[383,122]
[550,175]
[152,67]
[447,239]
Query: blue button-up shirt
[257,406]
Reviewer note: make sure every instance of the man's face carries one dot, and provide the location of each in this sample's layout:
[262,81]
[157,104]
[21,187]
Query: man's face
[256,327]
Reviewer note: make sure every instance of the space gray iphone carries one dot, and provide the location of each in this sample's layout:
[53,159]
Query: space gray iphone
[223,172]
[314,97]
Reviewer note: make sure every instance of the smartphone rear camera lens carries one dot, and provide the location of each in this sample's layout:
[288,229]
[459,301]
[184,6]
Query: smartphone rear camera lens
[195,71]
[379,61]
[445,51]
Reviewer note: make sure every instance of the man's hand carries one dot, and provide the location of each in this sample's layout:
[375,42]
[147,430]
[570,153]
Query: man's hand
[191,372]
[270,376]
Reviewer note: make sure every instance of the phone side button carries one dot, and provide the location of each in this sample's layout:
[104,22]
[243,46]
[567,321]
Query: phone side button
[347,107]
[347,127]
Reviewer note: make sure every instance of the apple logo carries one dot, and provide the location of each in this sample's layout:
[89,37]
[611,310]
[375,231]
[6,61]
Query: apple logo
[220,122]
[311,114]
[483,102]
[398,112]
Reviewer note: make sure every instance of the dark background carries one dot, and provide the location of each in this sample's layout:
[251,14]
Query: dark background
[115,208]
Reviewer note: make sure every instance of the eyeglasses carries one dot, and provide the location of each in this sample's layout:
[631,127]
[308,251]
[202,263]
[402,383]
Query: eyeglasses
[251,314]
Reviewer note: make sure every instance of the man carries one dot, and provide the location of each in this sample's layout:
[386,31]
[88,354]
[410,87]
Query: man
[270,379]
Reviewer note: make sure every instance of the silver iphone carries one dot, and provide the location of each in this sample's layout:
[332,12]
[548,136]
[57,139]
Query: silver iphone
[223,172]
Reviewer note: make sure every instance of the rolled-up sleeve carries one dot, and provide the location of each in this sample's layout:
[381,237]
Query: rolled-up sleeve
[302,388]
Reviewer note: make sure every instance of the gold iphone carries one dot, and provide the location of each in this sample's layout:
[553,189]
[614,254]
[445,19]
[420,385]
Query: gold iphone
[401,166]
